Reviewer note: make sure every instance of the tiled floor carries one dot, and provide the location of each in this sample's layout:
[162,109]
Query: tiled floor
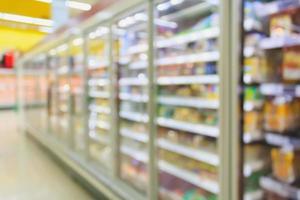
[27,172]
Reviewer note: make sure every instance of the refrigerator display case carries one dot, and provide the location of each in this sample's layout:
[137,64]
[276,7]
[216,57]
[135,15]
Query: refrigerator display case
[53,93]
[187,56]
[271,115]
[76,93]
[34,92]
[99,104]
[130,36]
[63,70]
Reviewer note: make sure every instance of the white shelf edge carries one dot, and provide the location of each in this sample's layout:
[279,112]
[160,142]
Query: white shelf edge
[184,80]
[98,94]
[189,177]
[98,82]
[133,81]
[200,129]
[211,56]
[133,116]
[134,97]
[202,156]
[141,137]
[189,102]
[99,109]
[253,166]
[137,155]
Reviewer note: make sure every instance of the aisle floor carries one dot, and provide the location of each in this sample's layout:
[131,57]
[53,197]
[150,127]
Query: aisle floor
[27,172]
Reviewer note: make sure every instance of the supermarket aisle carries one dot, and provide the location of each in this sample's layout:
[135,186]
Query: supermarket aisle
[28,173]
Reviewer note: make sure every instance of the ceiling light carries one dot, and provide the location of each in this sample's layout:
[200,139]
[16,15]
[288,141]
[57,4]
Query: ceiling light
[176,2]
[78,5]
[25,19]
[73,4]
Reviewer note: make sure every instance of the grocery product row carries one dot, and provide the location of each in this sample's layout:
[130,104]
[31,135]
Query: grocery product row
[144,96]
[271,99]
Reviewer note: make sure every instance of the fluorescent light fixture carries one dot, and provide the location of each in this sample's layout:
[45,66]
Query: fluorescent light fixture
[78,5]
[25,19]
[73,4]
[77,41]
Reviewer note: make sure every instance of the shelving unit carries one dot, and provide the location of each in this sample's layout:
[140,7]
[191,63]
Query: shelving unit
[271,78]
[188,98]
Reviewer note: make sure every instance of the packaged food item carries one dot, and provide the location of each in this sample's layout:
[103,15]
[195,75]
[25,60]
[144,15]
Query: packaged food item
[291,64]
[253,122]
[285,164]
[282,114]
[283,24]
[256,68]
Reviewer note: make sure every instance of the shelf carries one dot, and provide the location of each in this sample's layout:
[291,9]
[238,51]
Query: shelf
[200,129]
[279,42]
[98,82]
[189,102]
[253,166]
[249,138]
[4,71]
[254,195]
[253,105]
[282,189]
[198,9]
[208,33]
[274,89]
[186,80]
[212,56]
[99,124]
[137,49]
[189,177]
[138,65]
[282,140]
[96,138]
[99,109]
[98,94]
[141,137]
[134,116]
[136,154]
[180,39]
[202,156]
[133,81]
[134,97]
[97,65]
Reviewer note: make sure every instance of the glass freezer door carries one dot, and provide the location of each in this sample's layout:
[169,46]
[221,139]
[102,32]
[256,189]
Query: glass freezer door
[63,92]
[187,56]
[99,96]
[271,104]
[130,58]
[76,94]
